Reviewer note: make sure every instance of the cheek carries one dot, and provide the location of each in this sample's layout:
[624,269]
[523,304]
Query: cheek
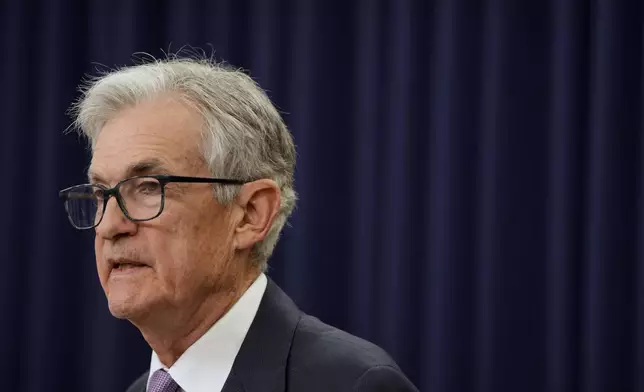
[169,246]
[209,237]
[100,263]
[190,246]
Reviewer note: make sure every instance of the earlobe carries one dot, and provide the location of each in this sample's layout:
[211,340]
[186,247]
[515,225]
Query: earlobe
[259,202]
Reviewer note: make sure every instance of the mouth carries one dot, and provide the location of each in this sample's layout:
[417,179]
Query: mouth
[124,266]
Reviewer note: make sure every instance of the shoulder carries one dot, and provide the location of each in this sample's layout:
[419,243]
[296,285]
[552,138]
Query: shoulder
[383,378]
[330,343]
[326,358]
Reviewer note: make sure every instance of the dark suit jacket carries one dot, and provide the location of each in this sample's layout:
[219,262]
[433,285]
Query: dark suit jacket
[287,350]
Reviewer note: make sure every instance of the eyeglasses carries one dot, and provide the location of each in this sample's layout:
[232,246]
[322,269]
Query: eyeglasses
[141,198]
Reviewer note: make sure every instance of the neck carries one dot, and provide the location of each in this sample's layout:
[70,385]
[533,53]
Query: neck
[184,327]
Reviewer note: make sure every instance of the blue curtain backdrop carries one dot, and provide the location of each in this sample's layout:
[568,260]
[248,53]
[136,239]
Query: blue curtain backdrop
[470,175]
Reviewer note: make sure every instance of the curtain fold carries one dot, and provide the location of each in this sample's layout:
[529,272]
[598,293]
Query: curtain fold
[469,174]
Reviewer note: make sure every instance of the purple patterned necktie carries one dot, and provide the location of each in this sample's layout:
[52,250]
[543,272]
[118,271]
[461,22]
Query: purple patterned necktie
[161,381]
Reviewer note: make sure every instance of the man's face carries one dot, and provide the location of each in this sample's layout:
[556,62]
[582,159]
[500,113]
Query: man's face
[187,250]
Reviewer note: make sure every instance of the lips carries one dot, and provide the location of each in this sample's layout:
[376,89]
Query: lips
[128,265]
[121,265]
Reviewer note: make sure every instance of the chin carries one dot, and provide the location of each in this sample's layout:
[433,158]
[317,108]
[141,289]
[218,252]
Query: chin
[126,309]
[122,312]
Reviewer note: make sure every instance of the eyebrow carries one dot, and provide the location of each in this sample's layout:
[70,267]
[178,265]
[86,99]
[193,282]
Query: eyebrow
[146,166]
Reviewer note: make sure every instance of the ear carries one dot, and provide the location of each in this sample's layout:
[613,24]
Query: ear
[259,202]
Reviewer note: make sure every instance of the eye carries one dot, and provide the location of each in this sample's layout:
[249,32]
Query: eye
[149,187]
[97,192]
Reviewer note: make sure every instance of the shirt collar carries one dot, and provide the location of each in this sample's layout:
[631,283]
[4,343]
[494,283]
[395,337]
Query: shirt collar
[206,364]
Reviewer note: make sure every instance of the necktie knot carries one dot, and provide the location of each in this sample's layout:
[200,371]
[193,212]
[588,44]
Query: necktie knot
[161,381]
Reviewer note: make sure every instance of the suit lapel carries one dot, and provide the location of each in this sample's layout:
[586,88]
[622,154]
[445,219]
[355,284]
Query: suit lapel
[140,384]
[260,364]
[233,383]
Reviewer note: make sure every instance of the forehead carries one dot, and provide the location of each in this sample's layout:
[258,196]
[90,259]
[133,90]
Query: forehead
[158,135]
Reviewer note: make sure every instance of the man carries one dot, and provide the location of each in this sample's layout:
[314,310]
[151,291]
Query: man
[190,184]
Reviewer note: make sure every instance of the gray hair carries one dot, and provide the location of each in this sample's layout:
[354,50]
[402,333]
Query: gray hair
[244,136]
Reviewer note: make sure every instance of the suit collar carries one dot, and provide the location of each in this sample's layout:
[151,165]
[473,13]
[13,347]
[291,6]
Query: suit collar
[261,362]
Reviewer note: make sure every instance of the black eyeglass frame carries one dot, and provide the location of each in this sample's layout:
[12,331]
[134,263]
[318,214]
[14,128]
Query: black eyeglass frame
[114,191]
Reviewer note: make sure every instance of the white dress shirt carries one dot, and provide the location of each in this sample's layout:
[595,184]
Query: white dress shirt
[206,364]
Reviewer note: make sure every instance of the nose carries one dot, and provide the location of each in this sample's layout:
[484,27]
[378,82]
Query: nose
[114,223]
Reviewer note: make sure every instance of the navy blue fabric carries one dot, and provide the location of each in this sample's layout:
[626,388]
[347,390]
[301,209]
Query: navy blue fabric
[470,175]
